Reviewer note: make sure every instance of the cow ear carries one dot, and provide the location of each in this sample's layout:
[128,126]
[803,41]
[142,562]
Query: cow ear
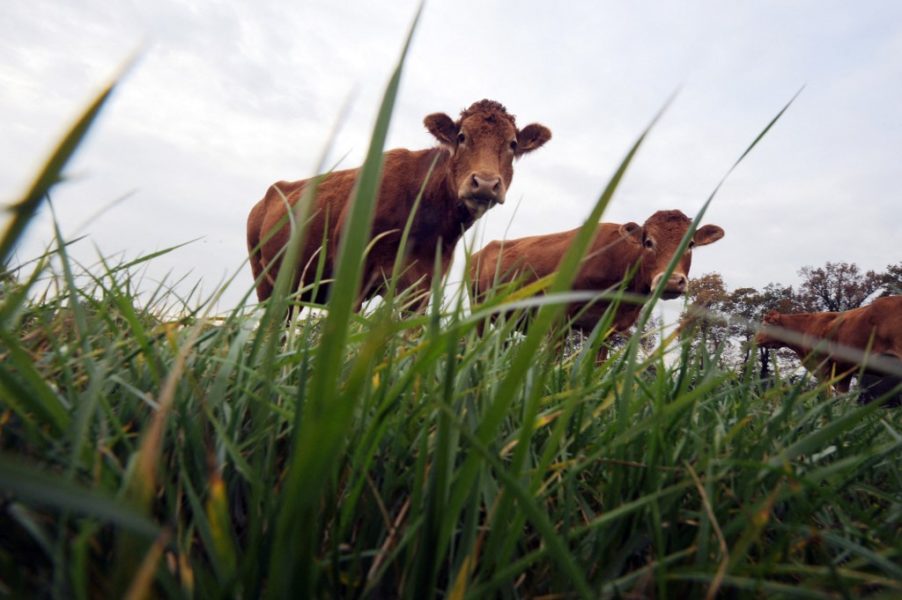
[442,127]
[631,231]
[707,234]
[531,137]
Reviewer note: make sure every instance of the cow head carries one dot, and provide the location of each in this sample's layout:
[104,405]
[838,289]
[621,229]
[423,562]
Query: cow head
[482,144]
[764,337]
[658,239]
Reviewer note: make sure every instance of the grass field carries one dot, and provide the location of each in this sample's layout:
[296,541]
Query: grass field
[152,449]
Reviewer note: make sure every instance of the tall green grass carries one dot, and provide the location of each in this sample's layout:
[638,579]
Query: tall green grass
[386,454]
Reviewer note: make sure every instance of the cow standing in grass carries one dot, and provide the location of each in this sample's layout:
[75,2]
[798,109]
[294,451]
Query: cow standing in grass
[473,170]
[818,337]
[614,252]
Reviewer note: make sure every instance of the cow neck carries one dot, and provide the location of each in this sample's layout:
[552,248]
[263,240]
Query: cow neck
[440,214]
[629,258]
[641,283]
[812,326]
[610,259]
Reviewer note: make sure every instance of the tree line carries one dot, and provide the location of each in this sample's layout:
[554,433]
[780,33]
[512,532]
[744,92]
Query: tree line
[720,318]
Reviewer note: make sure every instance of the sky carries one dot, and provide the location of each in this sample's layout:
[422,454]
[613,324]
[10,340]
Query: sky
[228,97]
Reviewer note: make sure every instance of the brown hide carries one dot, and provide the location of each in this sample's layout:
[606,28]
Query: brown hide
[876,327]
[473,170]
[614,251]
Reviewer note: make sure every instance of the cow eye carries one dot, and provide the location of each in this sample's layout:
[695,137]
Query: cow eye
[649,243]
[691,244]
[461,138]
[513,145]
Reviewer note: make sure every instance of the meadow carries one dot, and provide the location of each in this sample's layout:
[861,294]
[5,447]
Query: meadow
[151,447]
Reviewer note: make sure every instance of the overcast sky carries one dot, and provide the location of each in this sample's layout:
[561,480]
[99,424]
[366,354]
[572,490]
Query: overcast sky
[229,97]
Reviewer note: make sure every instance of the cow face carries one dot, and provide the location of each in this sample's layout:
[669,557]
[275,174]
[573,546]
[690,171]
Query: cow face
[764,339]
[483,144]
[659,239]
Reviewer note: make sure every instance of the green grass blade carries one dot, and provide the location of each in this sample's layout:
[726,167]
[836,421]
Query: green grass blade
[38,396]
[49,489]
[543,321]
[292,555]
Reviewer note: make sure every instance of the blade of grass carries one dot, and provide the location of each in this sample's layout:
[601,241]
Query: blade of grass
[38,486]
[291,567]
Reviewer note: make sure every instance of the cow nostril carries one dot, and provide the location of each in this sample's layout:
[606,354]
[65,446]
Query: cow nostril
[474,182]
[497,187]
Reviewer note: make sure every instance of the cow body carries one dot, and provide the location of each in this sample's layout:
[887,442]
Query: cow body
[472,171]
[876,328]
[615,250]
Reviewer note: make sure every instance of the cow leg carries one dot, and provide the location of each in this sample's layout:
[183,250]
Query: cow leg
[264,283]
[843,384]
[419,307]
[365,294]
[844,373]
[896,384]
[875,385]
[420,290]
[824,372]
[255,254]
[262,277]
[370,286]
[417,283]
[619,329]
[602,355]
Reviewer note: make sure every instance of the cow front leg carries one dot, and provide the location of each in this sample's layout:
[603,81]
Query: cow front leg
[416,287]
[842,386]
[602,355]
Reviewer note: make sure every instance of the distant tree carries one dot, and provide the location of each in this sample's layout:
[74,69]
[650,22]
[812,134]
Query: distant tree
[708,290]
[703,320]
[749,307]
[778,297]
[892,280]
[836,287]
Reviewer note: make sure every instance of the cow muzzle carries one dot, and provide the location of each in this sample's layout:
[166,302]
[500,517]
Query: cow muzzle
[675,287]
[481,191]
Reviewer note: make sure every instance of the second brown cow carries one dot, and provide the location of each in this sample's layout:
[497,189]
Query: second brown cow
[473,170]
[616,249]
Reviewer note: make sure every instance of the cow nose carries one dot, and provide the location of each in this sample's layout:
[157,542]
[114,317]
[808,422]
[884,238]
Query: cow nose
[676,285]
[486,186]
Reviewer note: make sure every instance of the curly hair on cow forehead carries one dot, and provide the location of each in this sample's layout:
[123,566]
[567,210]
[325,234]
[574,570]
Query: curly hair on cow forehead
[490,108]
[669,216]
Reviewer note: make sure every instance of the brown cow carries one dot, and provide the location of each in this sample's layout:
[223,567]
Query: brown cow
[817,337]
[473,170]
[614,251]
